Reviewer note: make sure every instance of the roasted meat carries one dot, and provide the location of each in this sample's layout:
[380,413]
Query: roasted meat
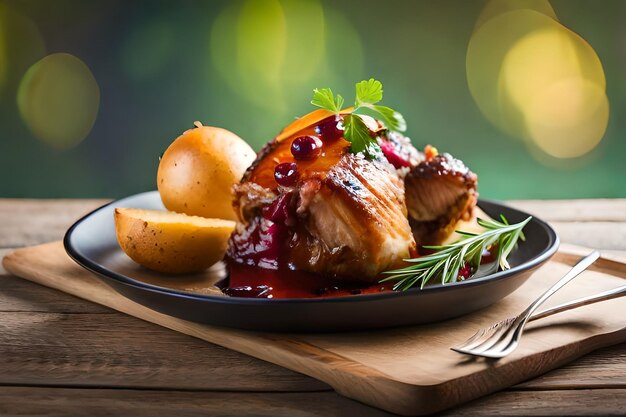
[308,203]
[440,191]
[343,216]
[355,222]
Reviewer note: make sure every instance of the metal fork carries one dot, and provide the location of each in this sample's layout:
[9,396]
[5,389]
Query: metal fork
[591,299]
[503,337]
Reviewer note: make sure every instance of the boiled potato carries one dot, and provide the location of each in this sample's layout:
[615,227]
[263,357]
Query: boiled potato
[169,242]
[198,170]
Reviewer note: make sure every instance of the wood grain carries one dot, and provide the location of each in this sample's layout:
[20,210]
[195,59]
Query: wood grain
[605,368]
[409,370]
[584,210]
[30,222]
[63,402]
[127,353]
[607,402]
[27,222]
[64,346]
[601,235]
[18,295]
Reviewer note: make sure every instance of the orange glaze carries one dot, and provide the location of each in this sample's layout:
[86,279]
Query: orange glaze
[332,151]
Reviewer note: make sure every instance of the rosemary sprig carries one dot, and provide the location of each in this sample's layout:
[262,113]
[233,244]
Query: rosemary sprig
[449,259]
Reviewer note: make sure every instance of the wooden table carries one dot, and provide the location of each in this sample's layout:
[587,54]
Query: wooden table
[60,355]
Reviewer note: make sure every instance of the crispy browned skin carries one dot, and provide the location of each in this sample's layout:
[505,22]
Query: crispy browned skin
[354,221]
[348,216]
[440,191]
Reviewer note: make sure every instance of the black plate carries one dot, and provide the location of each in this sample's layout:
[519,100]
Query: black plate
[91,242]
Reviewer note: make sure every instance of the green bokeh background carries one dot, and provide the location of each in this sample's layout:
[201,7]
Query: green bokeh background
[161,65]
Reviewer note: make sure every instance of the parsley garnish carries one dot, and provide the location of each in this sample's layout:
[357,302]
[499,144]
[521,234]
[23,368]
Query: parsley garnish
[368,93]
[358,134]
[323,97]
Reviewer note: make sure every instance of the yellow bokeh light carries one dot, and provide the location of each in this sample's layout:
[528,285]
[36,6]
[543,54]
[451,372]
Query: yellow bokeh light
[21,44]
[495,8]
[568,119]
[58,99]
[263,48]
[542,58]
[306,29]
[535,79]
[261,41]
[485,54]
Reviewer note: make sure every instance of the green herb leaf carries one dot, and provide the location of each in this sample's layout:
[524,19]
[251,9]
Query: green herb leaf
[324,98]
[391,118]
[368,92]
[449,259]
[357,133]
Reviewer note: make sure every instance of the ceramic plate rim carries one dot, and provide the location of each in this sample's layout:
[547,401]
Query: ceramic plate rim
[96,268]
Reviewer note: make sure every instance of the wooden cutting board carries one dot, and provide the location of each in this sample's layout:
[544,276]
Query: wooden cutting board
[409,371]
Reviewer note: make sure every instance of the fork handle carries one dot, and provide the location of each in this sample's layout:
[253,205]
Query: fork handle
[591,299]
[573,273]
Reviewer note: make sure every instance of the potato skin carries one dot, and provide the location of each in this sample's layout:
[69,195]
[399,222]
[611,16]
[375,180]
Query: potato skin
[198,170]
[176,244]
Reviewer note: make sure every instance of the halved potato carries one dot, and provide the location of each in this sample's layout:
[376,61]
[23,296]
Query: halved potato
[170,242]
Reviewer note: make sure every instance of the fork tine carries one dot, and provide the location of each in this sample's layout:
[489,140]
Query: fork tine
[502,338]
[487,353]
[479,334]
[488,342]
[497,351]
[491,354]
[486,334]
[494,343]
[460,350]
[505,344]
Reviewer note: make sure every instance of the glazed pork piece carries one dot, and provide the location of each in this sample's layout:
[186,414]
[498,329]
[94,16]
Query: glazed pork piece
[308,203]
[440,191]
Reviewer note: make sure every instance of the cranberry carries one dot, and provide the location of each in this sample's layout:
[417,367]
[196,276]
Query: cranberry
[330,128]
[286,174]
[392,155]
[465,271]
[306,147]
